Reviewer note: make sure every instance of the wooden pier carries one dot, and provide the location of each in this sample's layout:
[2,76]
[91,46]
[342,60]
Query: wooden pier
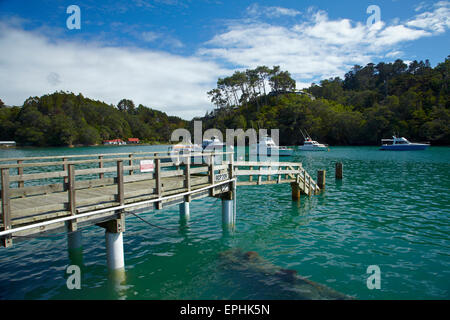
[54,194]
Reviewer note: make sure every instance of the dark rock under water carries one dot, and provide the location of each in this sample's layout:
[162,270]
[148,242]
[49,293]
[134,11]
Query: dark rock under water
[276,282]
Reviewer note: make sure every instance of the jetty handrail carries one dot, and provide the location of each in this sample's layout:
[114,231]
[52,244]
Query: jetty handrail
[290,169]
[157,184]
[100,158]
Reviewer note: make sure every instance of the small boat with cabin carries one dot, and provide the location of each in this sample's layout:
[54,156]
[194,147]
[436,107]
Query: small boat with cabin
[267,146]
[401,144]
[311,145]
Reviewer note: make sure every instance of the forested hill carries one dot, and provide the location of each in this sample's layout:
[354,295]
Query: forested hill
[61,119]
[369,104]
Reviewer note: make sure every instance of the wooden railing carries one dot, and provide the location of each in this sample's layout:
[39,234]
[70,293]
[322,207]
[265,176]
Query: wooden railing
[275,172]
[70,185]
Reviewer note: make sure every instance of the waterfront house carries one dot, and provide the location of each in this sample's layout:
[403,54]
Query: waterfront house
[133,140]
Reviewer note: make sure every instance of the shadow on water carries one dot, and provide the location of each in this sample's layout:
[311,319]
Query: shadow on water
[261,279]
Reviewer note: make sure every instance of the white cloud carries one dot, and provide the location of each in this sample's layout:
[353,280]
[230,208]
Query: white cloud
[256,10]
[316,47]
[436,21]
[35,65]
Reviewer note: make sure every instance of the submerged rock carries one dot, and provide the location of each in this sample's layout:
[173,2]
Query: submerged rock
[272,281]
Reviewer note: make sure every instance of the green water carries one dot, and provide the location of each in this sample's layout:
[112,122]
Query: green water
[391,210]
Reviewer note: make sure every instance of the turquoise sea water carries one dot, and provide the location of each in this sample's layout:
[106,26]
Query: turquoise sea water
[392,209]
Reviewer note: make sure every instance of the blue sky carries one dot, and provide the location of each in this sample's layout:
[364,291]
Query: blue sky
[166,54]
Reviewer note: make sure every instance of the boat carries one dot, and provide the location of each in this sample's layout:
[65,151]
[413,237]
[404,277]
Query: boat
[401,144]
[311,145]
[214,144]
[267,146]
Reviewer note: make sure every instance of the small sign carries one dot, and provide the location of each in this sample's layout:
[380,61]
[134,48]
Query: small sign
[147,166]
[221,177]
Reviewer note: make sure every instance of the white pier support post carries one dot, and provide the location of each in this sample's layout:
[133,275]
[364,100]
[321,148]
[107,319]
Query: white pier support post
[114,251]
[228,216]
[184,211]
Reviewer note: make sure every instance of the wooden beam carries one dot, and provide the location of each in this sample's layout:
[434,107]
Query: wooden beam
[187,178]
[120,183]
[6,207]
[72,224]
[339,170]
[130,163]
[20,184]
[101,175]
[321,179]
[65,169]
[158,182]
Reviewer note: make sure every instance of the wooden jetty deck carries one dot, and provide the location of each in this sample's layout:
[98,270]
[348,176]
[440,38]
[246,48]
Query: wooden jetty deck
[48,194]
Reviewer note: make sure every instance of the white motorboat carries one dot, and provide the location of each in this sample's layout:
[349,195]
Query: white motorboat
[401,144]
[311,145]
[213,144]
[267,147]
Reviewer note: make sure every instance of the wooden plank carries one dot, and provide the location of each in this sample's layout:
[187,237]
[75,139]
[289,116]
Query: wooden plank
[38,176]
[101,175]
[187,178]
[6,206]
[171,173]
[263,172]
[255,183]
[20,184]
[120,183]
[158,181]
[139,177]
[35,190]
[199,169]
[72,225]
[266,164]
[130,172]
[212,175]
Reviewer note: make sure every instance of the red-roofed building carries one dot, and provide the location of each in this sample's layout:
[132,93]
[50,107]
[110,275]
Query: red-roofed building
[133,140]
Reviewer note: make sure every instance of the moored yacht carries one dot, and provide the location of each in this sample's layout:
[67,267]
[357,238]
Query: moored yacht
[311,145]
[401,144]
[267,146]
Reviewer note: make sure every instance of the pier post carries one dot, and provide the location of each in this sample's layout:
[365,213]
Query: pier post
[321,179]
[115,260]
[6,207]
[295,191]
[184,212]
[339,170]
[75,247]
[228,219]
[114,251]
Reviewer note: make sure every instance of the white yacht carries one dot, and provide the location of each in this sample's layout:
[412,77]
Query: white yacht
[213,144]
[401,144]
[267,146]
[311,145]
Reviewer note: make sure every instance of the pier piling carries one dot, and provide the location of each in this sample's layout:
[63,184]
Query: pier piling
[295,191]
[184,211]
[114,251]
[339,170]
[228,211]
[75,248]
[321,178]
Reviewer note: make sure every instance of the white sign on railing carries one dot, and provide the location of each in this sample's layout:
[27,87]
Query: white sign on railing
[221,177]
[147,166]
